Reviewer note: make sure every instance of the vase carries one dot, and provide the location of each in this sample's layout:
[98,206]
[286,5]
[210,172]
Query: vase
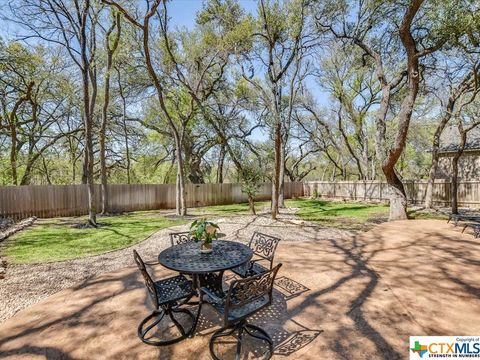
[205,247]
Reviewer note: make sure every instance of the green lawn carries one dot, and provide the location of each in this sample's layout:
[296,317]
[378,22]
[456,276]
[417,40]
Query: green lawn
[344,215]
[59,239]
[350,215]
[232,209]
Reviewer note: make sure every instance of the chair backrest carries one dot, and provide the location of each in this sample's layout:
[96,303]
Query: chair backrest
[245,292]
[152,291]
[264,245]
[180,238]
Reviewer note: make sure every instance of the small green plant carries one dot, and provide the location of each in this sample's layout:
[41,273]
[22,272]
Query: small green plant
[250,185]
[203,230]
[251,191]
[315,194]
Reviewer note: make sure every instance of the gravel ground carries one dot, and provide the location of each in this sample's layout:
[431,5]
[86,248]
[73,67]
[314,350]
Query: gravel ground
[25,285]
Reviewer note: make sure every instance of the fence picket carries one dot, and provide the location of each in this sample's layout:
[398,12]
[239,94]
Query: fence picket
[72,200]
[468,191]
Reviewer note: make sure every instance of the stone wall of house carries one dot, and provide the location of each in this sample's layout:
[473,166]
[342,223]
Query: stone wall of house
[468,167]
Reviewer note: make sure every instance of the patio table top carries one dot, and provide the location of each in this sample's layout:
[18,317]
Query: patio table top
[187,258]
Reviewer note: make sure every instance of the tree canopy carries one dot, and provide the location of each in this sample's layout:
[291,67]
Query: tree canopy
[108,91]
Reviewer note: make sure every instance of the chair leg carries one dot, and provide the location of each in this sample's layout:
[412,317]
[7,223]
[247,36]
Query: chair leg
[160,314]
[225,331]
[262,336]
[239,343]
[142,332]
[252,330]
[195,321]
[177,324]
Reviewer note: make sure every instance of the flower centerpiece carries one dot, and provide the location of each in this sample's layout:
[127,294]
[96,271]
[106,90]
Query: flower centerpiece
[204,231]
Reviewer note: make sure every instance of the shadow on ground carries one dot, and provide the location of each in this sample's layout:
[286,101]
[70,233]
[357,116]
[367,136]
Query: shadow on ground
[357,297]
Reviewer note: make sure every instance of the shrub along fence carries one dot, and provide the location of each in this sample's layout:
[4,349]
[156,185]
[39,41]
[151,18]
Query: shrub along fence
[71,200]
[468,191]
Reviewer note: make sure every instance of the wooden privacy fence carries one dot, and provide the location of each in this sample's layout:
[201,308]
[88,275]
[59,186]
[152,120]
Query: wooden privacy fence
[468,191]
[71,200]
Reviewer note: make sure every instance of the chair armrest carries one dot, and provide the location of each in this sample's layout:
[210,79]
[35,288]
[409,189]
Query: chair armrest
[152,263]
[255,261]
[259,259]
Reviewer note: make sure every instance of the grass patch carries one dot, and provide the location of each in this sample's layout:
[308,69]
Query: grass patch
[344,215]
[232,209]
[58,239]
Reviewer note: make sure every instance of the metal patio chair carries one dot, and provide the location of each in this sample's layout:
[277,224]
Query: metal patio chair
[244,298]
[167,295]
[178,238]
[263,247]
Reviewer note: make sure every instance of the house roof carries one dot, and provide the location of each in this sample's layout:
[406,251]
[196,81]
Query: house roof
[450,139]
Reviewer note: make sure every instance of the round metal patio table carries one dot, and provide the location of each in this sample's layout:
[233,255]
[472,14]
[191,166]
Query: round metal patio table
[206,269]
[187,258]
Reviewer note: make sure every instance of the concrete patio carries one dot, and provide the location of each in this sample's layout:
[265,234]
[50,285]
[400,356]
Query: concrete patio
[350,297]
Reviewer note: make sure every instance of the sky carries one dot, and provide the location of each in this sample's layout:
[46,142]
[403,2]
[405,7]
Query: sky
[183,12]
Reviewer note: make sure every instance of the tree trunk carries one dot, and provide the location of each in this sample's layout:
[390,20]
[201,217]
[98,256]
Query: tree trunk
[13,153]
[180,203]
[433,169]
[103,130]
[398,205]
[13,131]
[221,160]
[455,160]
[428,204]
[74,171]
[398,202]
[106,101]
[27,175]
[85,160]
[380,122]
[276,175]
[455,182]
[348,145]
[180,200]
[398,198]
[281,196]
[454,96]
[251,205]
[124,125]
[435,148]
[92,216]
[47,175]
